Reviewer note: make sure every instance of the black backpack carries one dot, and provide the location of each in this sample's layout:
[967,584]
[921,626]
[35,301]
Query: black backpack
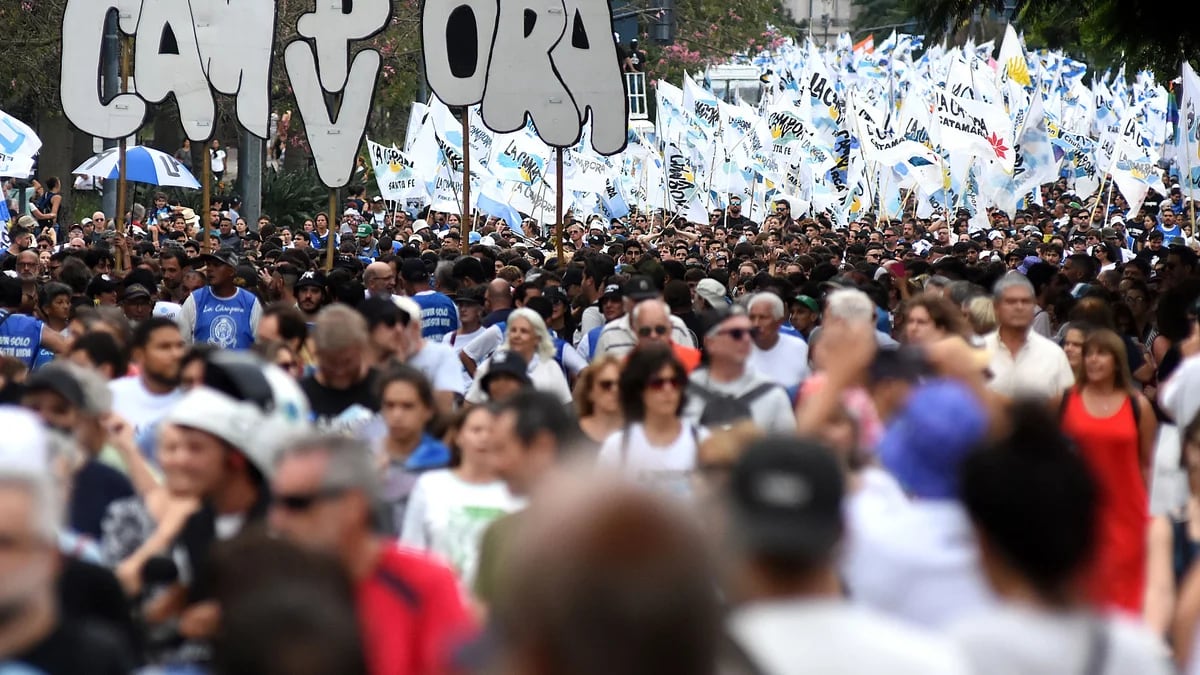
[722,410]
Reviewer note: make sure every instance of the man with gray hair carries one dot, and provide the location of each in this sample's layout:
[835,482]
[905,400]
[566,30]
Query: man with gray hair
[776,356]
[409,606]
[1023,362]
[651,322]
[36,634]
[851,304]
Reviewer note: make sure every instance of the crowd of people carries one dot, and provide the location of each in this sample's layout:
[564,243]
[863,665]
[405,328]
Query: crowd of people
[401,443]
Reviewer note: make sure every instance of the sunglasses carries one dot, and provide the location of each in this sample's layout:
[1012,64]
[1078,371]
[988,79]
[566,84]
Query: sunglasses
[646,331]
[287,365]
[606,385]
[660,383]
[304,502]
[739,333]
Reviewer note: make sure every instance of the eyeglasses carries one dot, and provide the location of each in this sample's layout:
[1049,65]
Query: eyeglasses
[645,331]
[660,383]
[287,365]
[739,333]
[606,385]
[304,502]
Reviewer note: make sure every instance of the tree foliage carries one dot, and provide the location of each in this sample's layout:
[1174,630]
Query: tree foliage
[711,31]
[1104,33]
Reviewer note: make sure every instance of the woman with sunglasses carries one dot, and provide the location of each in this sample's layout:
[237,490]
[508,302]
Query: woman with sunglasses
[450,508]
[657,447]
[597,403]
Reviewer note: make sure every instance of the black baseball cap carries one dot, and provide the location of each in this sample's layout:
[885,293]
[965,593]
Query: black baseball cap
[470,296]
[413,269]
[640,288]
[506,363]
[786,499]
[313,278]
[223,256]
[57,378]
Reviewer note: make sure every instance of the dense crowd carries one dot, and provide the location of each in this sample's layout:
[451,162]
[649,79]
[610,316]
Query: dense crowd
[396,444]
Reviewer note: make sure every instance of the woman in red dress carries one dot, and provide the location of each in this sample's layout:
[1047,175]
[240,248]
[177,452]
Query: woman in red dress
[1113,427]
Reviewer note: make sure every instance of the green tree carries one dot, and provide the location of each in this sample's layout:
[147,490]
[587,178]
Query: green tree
[712,31]
[1104,33]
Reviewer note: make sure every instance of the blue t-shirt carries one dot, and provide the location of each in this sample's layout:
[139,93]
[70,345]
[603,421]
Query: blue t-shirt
[439,316]
[224,322]
[1170,233]
[20,337]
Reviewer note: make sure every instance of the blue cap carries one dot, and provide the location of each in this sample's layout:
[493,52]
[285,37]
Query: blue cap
[474,237]
[925,444]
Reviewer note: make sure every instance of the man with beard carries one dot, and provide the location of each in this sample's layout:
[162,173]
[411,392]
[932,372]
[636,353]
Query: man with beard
[172,262]
[221,314]
[310,295]
[157,350]
[734,220]
[35,634]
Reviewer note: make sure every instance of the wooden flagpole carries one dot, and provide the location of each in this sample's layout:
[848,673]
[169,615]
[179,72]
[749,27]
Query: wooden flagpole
[332,231]
[466,193]
[121,160]
[558,203]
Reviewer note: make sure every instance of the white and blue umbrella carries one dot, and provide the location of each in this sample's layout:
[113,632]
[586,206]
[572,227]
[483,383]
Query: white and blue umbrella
[142,165]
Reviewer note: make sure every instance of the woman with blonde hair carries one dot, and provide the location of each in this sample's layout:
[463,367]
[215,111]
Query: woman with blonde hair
[526,335]
[598,401]
[1113,427]
[981,313]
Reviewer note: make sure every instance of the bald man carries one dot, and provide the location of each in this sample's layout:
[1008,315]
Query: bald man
[498,302]
[380,280]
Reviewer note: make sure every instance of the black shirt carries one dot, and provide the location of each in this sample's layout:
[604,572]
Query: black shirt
[96,486]
[327,403]
[76,649]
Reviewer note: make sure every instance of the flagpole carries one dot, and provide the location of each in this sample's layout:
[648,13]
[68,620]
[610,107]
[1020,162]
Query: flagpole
[1187,165]
[206,202]
[558,204]
[332,232]
[121,151]
[466,193]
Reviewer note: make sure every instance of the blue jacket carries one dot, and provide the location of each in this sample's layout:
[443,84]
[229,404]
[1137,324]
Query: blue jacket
[430,454]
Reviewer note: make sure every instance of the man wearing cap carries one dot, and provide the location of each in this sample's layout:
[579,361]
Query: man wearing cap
[804,312]
[469,303]
[136,303]
[710,294]
[439,316]
[786,524]
[231,475]
[726,390]
[618,336]
[368,246]
[221,313]
[310,294]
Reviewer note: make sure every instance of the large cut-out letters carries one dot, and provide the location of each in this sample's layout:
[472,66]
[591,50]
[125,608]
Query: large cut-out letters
[551,61]
[167,61]
[82,38]
[333,26]
[333,139]
[235,49]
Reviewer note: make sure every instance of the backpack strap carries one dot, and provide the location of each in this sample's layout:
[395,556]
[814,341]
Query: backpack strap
[753,395]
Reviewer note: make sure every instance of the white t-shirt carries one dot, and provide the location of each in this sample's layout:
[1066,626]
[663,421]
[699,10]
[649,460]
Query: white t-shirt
[790,637]
[440,365]
[447,515]
[1014,639]
[458,342]
[919,562]
[668,469]
[218,160]
[786,363]
[485,343]
[142,409]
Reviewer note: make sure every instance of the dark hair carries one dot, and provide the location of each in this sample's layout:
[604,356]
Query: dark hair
[1032,497]
[141,334]
[75,273]
[51,291]
[538,412]
[644,364]
[102,349]
[291,321]
[409,375]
